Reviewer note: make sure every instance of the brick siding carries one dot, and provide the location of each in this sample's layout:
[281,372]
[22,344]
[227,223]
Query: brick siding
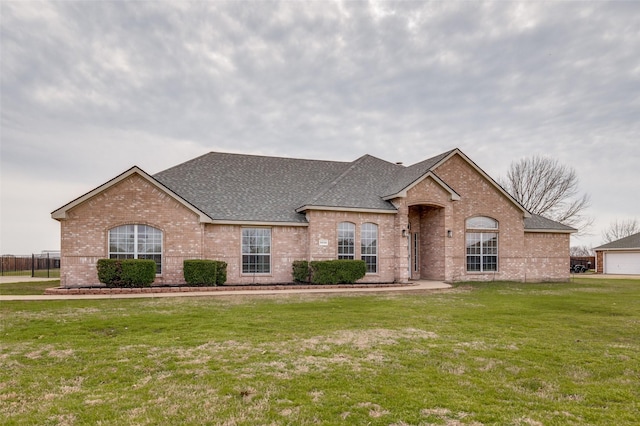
[323,225]
[134,200]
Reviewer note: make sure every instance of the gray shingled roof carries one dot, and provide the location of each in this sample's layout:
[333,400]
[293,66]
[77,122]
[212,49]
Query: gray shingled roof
[236,187]
[239,187]
[540,223]
[407,175]
[630,242]
[250,188]
[359,186]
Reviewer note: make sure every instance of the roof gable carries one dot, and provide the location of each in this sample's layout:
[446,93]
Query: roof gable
[495,184]
[403,193]
[61,213]
[414,174]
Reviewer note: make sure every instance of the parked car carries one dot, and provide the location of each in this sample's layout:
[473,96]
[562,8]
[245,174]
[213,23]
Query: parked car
[579,266]
[579,269]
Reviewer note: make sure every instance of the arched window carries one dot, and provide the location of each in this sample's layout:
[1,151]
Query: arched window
[482,244]
[346,240]
[136,242]
[369,246]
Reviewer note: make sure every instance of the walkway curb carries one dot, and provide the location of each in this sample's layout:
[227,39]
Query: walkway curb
[221,291]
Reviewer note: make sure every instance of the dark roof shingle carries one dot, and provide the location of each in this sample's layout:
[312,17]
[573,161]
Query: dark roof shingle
[540,223]
[407,175]
[239,187]
[630,242]
[358,186]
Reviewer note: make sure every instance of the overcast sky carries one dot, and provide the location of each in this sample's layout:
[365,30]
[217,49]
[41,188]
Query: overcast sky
[90,89]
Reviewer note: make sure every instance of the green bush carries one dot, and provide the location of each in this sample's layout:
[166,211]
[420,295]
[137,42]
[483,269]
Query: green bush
[337,271]
[109,272]
[138,272]
[222,272]
[301,271]
[205,272]
[126,272]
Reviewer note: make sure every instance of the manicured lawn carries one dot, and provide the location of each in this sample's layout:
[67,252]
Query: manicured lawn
[31,287]
[39,273]
[51,273]
[500,354]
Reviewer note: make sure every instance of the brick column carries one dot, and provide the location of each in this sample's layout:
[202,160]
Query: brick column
[401,244]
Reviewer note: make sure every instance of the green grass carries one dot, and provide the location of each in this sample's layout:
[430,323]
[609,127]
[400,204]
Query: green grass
[26,288]
[39,273]
[43,273]
[479,354]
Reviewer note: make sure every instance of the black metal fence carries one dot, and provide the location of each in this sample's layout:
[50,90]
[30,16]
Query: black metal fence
[45,265]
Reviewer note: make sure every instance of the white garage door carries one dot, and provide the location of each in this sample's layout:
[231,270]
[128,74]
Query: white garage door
[622,263]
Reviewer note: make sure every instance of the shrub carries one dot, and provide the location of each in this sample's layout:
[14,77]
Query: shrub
[205,272]
[301,271]
[337,271]
[126,272]
[138,272]
[109,272]
[222,272]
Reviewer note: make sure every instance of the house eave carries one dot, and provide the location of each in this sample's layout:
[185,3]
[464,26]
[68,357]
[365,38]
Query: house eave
[258,223]
[344,209]
[61,213]
[551,231]
[617,249]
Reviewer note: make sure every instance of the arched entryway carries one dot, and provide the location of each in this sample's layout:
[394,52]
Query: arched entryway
[427,234]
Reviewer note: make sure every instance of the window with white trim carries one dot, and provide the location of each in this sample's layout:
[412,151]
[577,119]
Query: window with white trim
[346,240]
[256,250]
[369,246]
[482,244]
[136,241]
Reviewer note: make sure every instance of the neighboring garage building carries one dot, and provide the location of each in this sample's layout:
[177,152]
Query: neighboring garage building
[619,257]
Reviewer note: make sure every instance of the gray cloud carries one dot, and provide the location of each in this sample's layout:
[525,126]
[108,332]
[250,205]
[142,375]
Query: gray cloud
[91,88]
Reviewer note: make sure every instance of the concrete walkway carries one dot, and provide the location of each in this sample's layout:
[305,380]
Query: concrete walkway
[413,286]
[607,276]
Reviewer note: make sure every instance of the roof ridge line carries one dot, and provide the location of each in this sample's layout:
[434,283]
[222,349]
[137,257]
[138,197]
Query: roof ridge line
[340,177]
[277,157]
[238,154]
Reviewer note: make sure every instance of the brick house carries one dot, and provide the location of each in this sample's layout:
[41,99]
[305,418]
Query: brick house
[442,219]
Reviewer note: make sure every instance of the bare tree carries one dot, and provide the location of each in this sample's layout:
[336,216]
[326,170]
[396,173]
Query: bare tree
[620,229]
[547,188]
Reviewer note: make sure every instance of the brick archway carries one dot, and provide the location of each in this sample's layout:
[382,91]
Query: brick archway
[427,242]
